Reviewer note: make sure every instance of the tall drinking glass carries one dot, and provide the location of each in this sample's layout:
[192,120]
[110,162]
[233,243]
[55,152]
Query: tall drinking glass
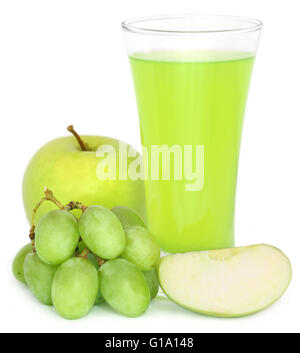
[191,76]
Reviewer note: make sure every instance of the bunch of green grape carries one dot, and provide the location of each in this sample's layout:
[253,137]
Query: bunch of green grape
[105,255]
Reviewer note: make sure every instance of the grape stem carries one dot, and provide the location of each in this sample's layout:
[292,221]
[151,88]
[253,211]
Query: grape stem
[83,145]
[72,205]
[84,253]
[100,261]
[48,197]
[75,205]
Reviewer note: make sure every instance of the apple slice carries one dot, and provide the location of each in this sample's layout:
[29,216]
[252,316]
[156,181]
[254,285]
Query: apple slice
[228,282]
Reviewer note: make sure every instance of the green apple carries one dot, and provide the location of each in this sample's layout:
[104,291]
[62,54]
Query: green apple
[70,168]
[228,282]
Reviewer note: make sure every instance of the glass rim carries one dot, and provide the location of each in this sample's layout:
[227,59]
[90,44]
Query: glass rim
[135,25]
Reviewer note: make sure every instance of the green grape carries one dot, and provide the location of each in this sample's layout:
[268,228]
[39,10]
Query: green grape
[56,237]
[141,248]
[102,232]
[75,288]
[127,216]
[124,287]
[152,281]
[18,263]
[39,277]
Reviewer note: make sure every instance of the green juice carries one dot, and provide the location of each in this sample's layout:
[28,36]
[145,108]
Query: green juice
[193,98]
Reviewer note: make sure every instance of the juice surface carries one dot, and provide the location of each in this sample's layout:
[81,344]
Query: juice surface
[193,98]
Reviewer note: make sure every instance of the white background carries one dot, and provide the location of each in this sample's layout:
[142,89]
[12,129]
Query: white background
[65,62]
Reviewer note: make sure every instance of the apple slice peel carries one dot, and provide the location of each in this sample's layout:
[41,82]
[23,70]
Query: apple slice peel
[228,282]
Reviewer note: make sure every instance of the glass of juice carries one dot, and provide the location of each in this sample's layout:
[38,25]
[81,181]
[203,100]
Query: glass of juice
[191,76]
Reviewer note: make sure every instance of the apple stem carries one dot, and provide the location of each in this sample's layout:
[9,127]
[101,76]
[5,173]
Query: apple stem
[83,145]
